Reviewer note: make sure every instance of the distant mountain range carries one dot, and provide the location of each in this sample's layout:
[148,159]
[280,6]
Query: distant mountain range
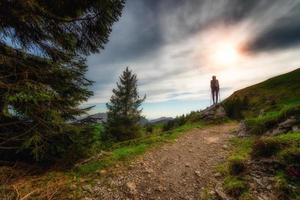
[102,117]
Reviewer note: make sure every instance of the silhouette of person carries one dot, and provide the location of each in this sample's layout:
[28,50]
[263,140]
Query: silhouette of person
[214,85]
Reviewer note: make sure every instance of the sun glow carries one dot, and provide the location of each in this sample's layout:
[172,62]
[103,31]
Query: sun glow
[221,47]
[225,54]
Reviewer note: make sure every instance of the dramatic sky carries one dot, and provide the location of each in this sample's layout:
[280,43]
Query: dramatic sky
[175,46]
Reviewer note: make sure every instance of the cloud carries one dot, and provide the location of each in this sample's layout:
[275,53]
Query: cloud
[284,33]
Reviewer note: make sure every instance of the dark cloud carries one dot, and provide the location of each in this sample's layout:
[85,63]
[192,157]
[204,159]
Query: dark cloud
[139,31]
[237,10]
[283,34]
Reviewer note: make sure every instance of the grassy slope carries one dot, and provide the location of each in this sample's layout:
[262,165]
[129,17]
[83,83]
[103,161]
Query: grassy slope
[270,95]
[263,106]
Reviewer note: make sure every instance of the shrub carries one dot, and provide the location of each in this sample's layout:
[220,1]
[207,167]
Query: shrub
[291,160]
[290,156]
[236,165]
[234,186]
[265,147]
[283,188]
[149,128]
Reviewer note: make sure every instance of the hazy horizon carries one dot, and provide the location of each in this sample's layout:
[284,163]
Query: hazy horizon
[175,46]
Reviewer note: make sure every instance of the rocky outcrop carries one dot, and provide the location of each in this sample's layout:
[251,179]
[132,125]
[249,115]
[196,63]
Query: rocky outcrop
[215,112]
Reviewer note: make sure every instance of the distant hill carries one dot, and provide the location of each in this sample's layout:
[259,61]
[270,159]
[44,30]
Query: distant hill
[265,96]
[102,117]
[98,117]
[161,120]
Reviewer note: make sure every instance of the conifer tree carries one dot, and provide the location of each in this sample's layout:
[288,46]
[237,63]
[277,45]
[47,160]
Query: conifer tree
[43,45]
[124,114]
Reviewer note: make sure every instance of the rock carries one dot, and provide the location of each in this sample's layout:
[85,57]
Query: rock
[242,131]
[276,131]
[87,188]
[198,173]
[160,188]
[73,187]
[214,112]
[102,172]
[290,122]
[225,146]
[220,193]
[217,175]
[295,129]
[131,187]
[149,171]
[269,187]
[187,164]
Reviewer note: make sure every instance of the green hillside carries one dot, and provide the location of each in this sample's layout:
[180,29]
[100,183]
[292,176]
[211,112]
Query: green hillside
[270,95]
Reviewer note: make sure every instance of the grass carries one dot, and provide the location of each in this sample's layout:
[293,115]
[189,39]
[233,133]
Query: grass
[234,186]
[273,146]
[234,168]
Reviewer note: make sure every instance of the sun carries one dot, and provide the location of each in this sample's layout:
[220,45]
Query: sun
[225,54]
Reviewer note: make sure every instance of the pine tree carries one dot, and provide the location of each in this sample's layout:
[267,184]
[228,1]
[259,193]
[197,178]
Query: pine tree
[43,45]
[124,115]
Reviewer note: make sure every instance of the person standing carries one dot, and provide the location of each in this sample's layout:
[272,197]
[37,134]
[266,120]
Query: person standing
[214,85]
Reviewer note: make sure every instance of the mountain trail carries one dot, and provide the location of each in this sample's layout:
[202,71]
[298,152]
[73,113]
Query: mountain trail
[184,169]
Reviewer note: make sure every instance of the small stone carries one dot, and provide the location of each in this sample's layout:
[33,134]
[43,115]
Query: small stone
[217,175]
[187,164]
[295,128]
[87,188]
[190,150]
[160,188]
[269,187]
[225,146]
[131,187]
[198,173]
[102,172]
[130,166]
[73,187]
[288,123]
[149,171]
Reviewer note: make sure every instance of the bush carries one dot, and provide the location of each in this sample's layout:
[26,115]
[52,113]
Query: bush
[290,156]
[235,107]
[265,147]
[149,128]
[283,188]
[234,186]
[236,165]
[291,160]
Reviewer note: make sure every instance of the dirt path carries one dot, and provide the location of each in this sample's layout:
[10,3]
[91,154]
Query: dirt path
[180,170]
